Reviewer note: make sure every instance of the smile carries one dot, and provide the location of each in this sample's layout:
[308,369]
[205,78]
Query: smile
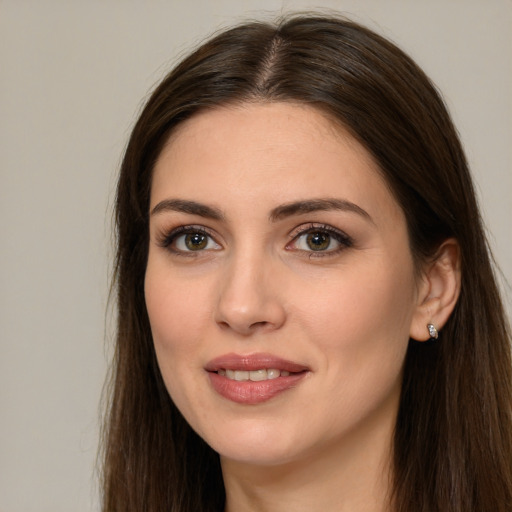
[253,379]
[255,376]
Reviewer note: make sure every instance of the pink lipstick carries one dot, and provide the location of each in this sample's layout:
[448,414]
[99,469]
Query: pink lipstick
[253,379]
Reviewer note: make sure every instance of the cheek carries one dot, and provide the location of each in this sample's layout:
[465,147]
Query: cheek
[177,315]
[357,305]
[172,319]
[362,331]
[361,320]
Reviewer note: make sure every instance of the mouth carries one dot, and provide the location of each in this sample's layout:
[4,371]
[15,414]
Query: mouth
[255,378]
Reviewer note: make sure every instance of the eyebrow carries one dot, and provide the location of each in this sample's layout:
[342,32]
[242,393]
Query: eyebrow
[278,213]
[317,205]
[184,206]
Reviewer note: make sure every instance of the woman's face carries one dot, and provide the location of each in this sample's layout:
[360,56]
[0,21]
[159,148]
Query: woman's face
[280,285]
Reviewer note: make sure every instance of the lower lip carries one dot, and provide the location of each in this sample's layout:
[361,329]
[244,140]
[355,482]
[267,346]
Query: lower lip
[252,393]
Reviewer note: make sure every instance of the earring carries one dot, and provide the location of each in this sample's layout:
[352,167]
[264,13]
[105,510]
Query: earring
[434,334]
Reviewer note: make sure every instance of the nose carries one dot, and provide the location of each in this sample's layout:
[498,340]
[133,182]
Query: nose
[250,296]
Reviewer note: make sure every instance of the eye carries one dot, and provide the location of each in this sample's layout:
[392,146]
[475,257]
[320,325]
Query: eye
[187,239]
[317,241]
[320,239]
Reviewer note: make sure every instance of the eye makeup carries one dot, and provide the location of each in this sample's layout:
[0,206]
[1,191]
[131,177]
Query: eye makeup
[319,240]
[314,239]
[188,240]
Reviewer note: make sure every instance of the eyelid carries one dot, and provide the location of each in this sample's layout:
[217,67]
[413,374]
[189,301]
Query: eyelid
[311,226]
[166,237]
[340,236]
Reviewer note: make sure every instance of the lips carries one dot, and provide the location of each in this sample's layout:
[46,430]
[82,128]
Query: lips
[255,378]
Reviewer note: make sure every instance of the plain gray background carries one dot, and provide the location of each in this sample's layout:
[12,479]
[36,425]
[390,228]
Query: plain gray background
[72,78]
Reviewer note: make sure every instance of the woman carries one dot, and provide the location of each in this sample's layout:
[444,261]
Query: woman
[308,316]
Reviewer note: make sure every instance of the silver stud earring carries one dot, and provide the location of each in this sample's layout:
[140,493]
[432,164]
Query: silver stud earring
[434,334]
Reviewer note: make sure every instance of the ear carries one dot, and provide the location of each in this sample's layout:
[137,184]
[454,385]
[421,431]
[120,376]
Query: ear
[438,290]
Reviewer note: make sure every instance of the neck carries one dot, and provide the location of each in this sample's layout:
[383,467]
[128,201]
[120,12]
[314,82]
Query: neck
[352,475]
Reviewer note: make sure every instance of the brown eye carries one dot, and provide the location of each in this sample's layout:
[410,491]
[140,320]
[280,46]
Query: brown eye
[196,241]
[318,241]
[188,240]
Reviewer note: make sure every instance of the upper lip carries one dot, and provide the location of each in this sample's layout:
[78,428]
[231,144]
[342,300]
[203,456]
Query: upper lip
[253,362]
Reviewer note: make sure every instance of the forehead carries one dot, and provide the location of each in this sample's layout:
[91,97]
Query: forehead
[268,153]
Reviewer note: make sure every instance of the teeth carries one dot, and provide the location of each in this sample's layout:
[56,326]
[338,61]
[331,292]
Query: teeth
[258,375]
[255,375]
[241,375]
[273,374]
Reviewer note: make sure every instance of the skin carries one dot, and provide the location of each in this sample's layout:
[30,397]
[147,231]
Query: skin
[346,313]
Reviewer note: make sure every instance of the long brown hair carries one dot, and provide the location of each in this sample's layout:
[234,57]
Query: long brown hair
[453,437]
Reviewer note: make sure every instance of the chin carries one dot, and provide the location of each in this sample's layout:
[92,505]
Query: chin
[251,455]
[259,445]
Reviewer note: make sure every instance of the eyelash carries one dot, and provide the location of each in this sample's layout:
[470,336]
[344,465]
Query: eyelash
[167,239]
[339,236]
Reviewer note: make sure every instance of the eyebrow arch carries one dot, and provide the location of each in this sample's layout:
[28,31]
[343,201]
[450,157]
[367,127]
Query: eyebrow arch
[278,213]
[184,206]
[317,205]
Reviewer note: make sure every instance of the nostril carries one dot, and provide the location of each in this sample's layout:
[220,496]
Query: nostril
[255,325]
[245,329]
